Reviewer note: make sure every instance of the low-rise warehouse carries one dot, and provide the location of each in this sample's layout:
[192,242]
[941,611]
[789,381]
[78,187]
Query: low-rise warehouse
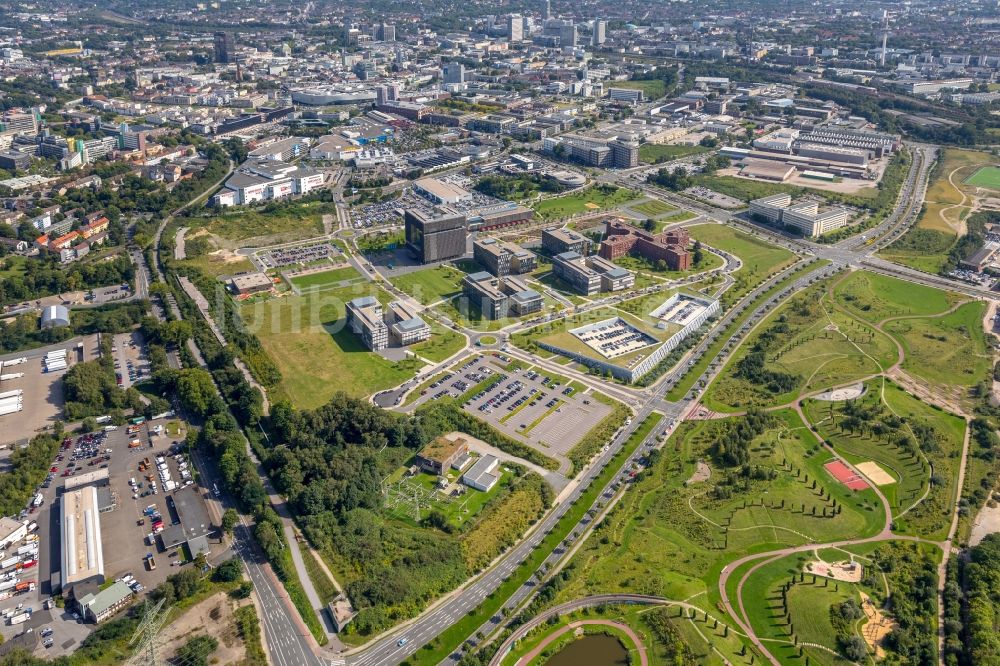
[82,551]
[194,524]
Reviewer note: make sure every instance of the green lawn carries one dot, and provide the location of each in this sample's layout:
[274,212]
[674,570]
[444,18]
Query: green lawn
[216,265]
[876,297]
[317,355]
[457,509]
[325,279]
[988,177]
[589,200]
[709,262]
[652,89]
[12,266]
[657,153]
[443,343]
[760,259]
[653,208]
[429,285]
[948,350]
[808,608]
[687,382]
[939,436]
[671,538]
[744,188]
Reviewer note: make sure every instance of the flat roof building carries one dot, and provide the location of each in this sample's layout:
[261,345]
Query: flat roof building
[557,241]
[100,606]
[571,268]
[669,246]
[251,283]
[502,258]
[483,474]
[404,324]
[11,531]
[435,237]
[440,192]
[80,523]
[364,316]
[804,216]
[440,454]
[499,297]
[194,526]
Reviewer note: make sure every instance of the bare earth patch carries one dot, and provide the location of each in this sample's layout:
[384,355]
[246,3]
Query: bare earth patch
[214,617]
[701,473]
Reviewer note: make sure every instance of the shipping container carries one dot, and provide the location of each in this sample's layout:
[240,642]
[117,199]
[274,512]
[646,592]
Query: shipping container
[20,619]
[30,548]
[10,561]
[11,394]
[7,585]
[56,353]
[13,375]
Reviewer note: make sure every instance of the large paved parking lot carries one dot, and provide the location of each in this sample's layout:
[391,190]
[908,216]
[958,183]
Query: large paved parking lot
[43,396]
[532,406]
[123,539]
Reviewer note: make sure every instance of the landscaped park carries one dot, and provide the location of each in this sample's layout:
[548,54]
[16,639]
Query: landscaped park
[841,420]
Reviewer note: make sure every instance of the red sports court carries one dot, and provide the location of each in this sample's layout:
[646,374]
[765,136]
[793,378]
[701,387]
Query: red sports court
[846,475]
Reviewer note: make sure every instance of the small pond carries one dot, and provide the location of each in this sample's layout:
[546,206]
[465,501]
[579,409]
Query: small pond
[594,650]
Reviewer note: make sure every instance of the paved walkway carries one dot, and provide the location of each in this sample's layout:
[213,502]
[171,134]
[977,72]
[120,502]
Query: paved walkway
[637,642]
[179,251]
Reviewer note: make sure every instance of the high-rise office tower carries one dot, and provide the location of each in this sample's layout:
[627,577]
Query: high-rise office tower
[223,47]
[599,35]
[567,34]
[454,72]
[515,28]
[548,9]
[384,32]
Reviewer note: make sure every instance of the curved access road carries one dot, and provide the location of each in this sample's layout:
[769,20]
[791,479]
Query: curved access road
[577,604]
[624,628]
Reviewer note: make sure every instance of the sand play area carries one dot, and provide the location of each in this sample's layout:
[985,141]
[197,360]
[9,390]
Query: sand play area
[875,474]
[877,627]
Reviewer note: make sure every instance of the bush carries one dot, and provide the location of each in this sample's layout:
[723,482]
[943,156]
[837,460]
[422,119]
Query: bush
[196,651]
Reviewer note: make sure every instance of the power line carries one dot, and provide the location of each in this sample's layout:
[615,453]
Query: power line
[146,633]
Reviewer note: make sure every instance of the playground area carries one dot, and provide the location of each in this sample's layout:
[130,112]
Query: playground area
[841,472]
[846,571]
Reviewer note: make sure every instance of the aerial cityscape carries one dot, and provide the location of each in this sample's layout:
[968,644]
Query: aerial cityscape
[505,334]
